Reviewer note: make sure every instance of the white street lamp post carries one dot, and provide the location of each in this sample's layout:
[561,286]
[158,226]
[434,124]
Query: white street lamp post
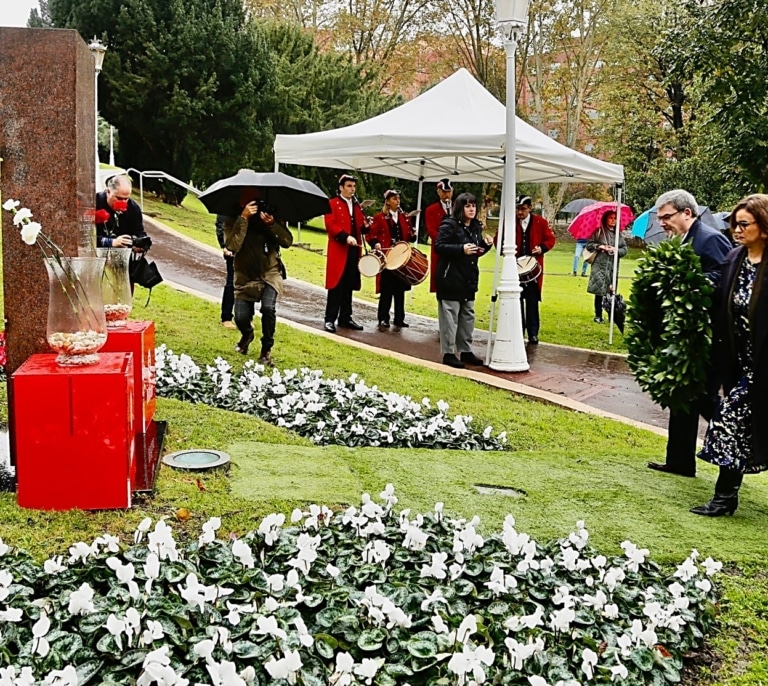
[98,49]
[508,348]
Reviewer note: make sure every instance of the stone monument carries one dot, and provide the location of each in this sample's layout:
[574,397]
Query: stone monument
[47,120]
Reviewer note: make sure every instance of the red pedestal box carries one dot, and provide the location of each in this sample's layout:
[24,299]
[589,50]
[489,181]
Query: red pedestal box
[138,338]
[73,433]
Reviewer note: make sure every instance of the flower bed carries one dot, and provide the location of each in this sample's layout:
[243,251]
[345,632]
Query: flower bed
[327,411]
[365,596]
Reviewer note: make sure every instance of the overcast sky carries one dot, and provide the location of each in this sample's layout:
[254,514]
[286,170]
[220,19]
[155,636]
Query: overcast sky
[16,12]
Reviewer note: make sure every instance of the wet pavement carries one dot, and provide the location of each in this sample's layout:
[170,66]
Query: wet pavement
[596,380]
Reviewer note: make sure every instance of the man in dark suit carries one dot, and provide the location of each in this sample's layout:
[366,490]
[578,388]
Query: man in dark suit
[677,212]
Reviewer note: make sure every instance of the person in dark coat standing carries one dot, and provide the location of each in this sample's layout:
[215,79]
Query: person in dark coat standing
[228,295]
[534,237]
[390,226]
[345,226]
[460,242]
[737,436]
[677,212]
[433,217]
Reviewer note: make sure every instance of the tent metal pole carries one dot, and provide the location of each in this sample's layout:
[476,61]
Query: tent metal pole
[496,270]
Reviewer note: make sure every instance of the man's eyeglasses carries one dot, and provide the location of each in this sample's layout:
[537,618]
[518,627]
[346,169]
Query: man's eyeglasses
[667,217]
[740,226]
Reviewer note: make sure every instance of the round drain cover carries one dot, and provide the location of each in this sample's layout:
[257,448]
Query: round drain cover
[196,459]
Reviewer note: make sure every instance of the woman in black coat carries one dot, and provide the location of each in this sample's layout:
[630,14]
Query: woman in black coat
[737,436]
[460,241]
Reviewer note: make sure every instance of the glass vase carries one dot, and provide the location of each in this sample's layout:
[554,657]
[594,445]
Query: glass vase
[77,328]
[116,285]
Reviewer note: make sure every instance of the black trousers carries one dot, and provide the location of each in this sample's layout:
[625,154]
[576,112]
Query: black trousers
[683,430]
[339,302]
[529,303]
[244,310]
[599,306]
[391,289]
[228,296]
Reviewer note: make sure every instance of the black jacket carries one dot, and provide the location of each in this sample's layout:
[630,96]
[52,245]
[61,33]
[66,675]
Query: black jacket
[727,365]
[458,274]
[130,222]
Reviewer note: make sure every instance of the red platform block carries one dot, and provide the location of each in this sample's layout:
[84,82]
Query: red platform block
[138,338]
[73,433]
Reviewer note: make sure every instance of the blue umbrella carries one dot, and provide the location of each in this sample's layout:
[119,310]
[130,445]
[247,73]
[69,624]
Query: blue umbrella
[647,226]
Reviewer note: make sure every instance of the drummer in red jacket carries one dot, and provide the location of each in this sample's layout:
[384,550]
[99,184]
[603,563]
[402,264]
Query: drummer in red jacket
[345,226]
[433,217]
[534,237]
[390,226]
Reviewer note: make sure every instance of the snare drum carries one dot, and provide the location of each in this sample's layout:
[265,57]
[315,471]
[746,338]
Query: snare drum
[371,264]
[528,269]
[408,263]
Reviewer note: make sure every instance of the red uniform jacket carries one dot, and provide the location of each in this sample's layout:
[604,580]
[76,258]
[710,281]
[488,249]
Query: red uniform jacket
[433,217]
[539,234]
[383,231]
[339,227]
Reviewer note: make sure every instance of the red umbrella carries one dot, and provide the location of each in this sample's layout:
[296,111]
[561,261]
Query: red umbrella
[588,220]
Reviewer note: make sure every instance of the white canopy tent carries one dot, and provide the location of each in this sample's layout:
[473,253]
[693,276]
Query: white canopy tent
[456,129]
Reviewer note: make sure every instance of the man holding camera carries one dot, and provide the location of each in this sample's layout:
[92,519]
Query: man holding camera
[255,238]
[119,221]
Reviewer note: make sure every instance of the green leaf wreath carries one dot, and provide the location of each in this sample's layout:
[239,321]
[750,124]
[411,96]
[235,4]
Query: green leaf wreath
[670,329]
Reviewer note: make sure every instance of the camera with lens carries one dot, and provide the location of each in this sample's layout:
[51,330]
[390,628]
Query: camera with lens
[142,242]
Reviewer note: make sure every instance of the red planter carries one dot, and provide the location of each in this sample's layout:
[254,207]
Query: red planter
[74,434]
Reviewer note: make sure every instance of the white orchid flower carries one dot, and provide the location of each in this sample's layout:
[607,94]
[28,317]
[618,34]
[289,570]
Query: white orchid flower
[10,205]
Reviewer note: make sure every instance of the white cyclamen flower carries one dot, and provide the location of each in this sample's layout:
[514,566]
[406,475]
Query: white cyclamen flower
[81,601]
[62,677]
[285,668]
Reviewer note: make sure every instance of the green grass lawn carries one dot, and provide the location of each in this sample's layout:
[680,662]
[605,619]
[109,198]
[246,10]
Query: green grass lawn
[566,466]
[566,308]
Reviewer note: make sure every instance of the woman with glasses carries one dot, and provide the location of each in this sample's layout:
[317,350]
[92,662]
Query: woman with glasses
[737,436]
[460,241]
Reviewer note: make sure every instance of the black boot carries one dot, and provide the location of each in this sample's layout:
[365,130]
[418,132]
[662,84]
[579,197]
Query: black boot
[726,498]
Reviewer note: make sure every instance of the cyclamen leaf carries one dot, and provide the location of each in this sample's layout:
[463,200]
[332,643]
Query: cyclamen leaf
[371,640]
[643,658]
[87,670]
[422,648]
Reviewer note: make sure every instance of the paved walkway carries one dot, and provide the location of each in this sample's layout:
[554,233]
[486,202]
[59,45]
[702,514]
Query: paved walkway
[598,383]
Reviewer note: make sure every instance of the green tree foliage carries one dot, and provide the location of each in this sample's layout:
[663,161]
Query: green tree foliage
[729,48]
[317,90]
[185,81]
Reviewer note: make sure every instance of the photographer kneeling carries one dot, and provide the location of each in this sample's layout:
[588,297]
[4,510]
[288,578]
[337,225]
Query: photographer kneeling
[256,238]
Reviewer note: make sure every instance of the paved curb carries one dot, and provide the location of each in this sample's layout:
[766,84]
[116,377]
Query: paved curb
[486,379]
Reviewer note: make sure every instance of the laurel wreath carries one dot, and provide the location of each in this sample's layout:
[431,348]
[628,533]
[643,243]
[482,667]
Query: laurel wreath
[670,331]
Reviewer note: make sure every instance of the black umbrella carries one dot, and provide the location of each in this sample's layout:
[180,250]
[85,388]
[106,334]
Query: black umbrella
[576,206]
[288,198]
